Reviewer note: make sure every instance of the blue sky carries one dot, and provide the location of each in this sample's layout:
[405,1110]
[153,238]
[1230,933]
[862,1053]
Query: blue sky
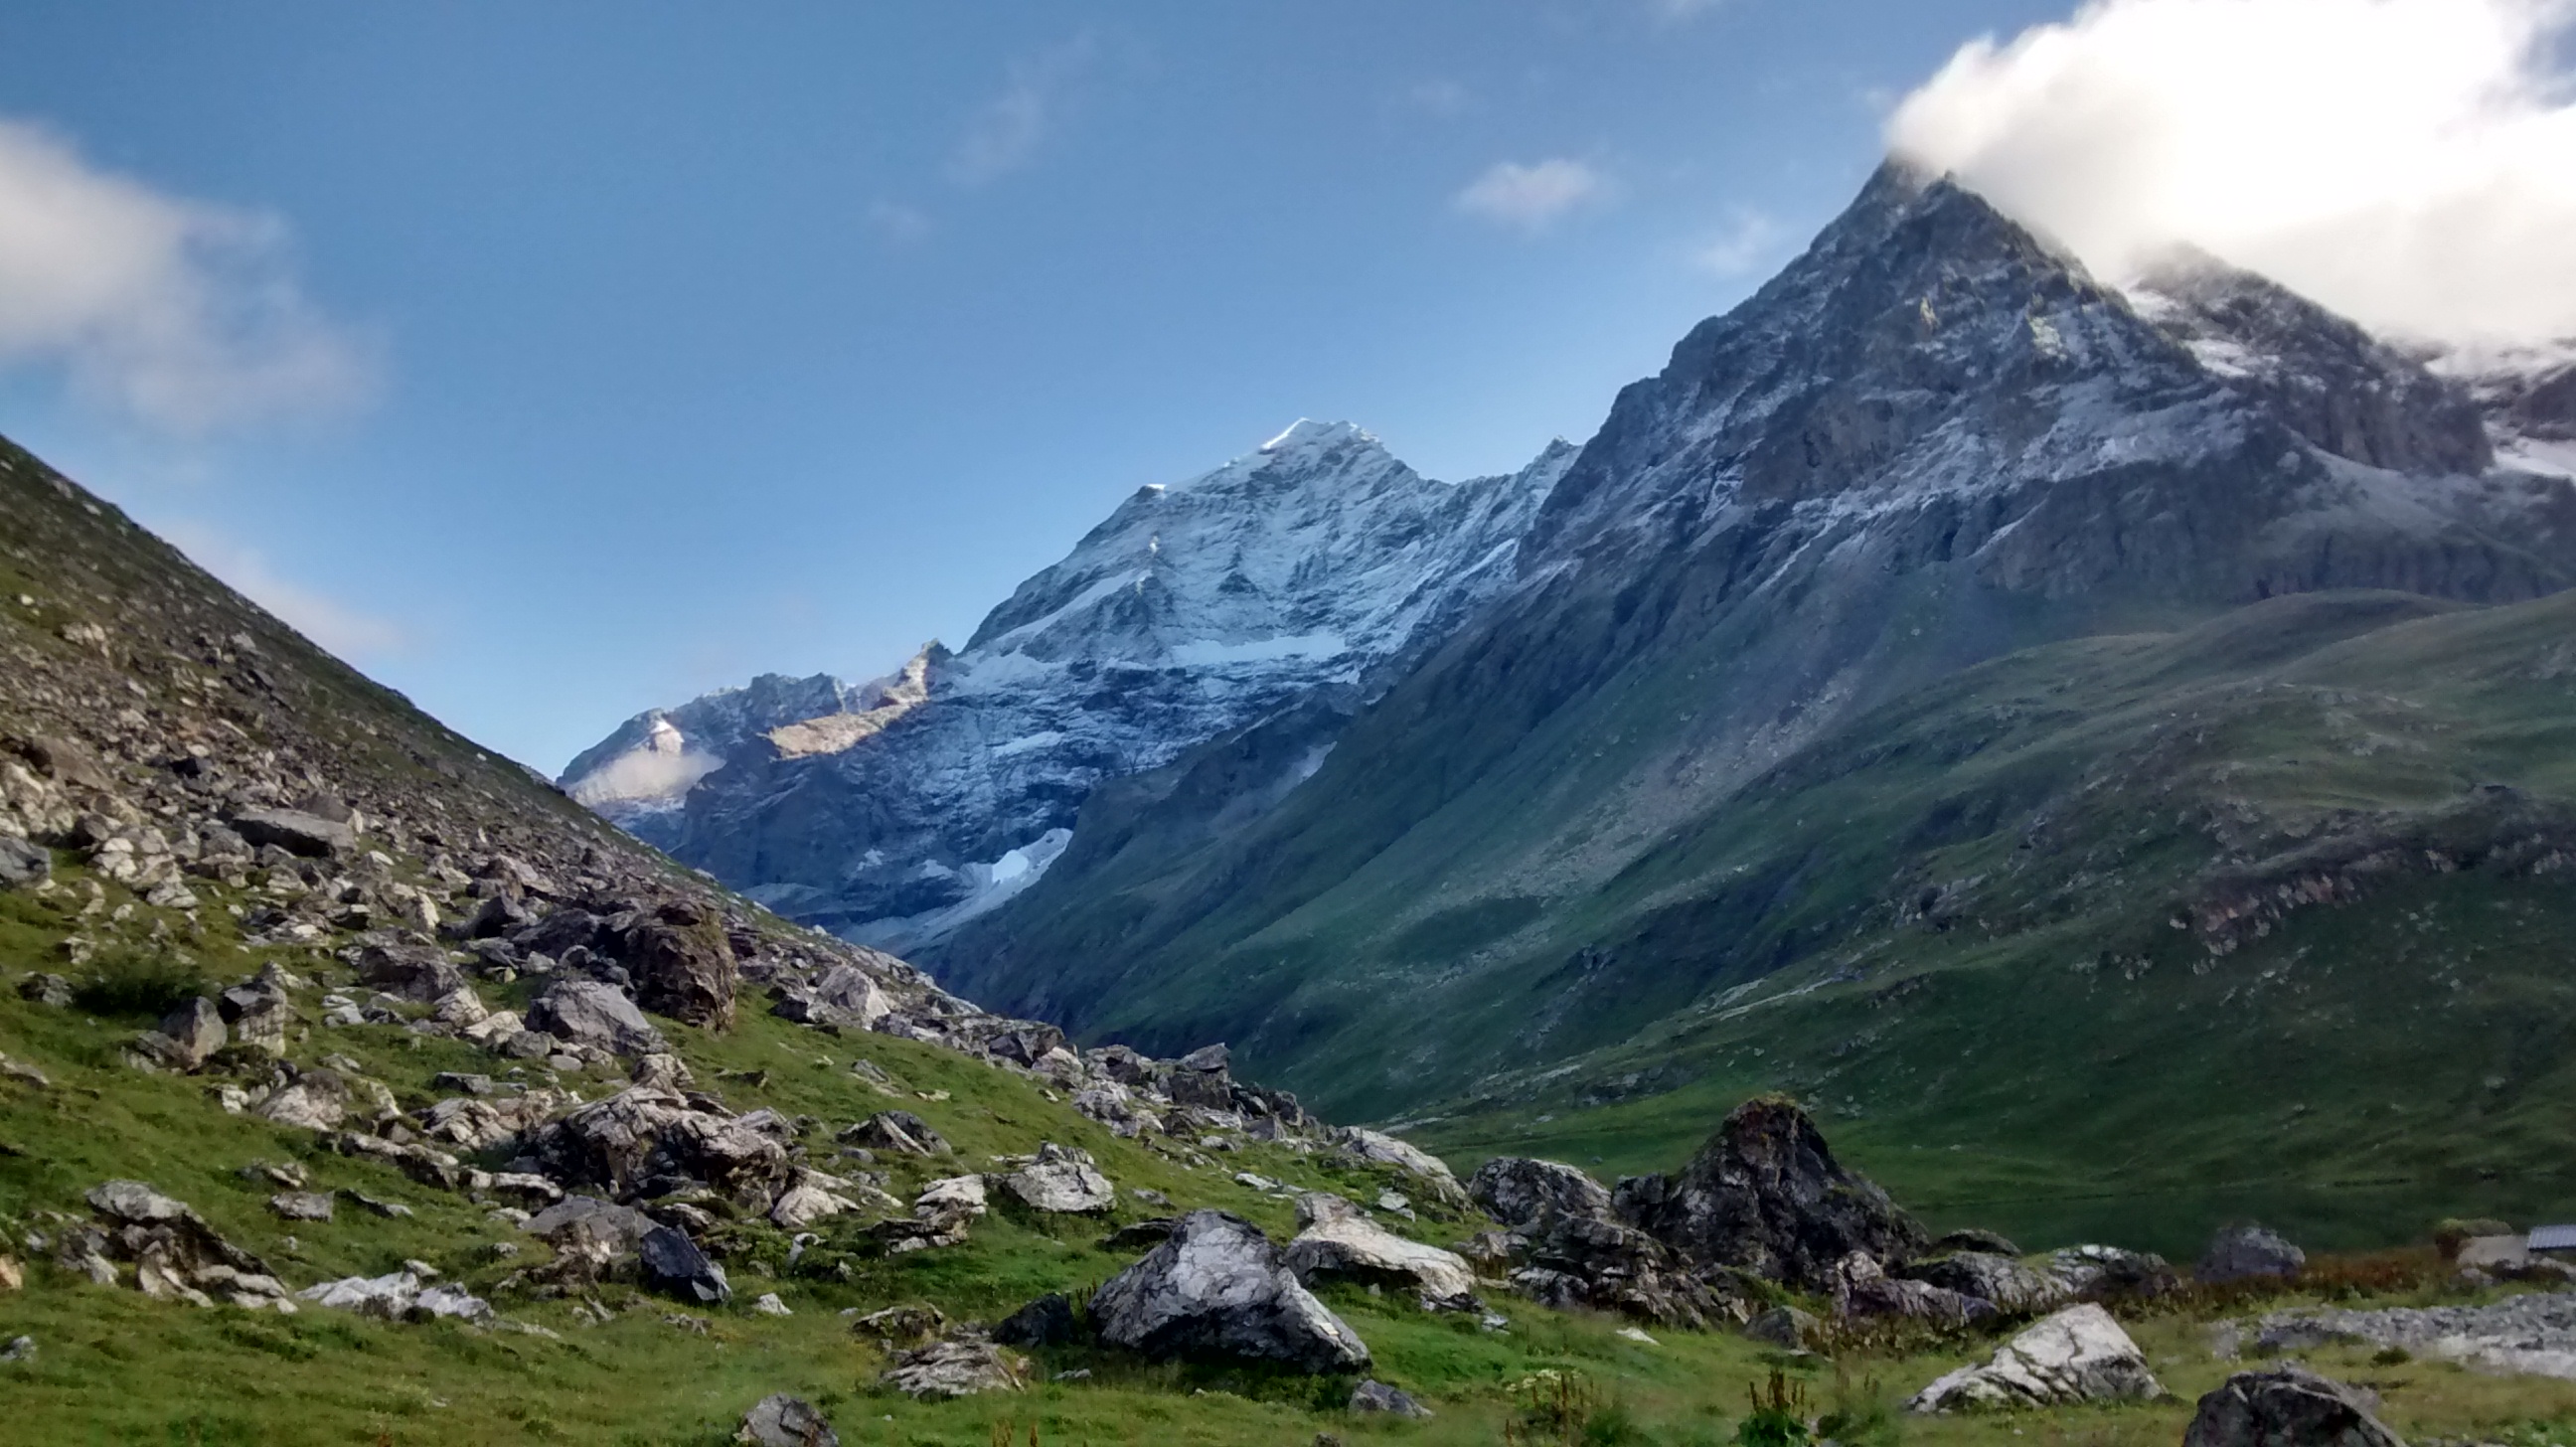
[557,361]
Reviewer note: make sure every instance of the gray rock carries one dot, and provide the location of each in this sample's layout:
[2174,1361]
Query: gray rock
[1785,1327]
[1862,1291]
[296,832]
[2242,1252]
[302,1205]
[45,989]
[954,1369]
[785,1421]
[2286,1407]
[620,1229]
[315,1100]
[2077,1355]
[2532,1334]
[1062,1181]
[189,1036]
[1766,1195]
[410,972]
[19,1349]
[1516,1190]
[586,1012]
[1216,1287]
[1378,1148]
[23,863]
[2102,1272]
[899,1132]
[2007,1283]
[1046,1322]
[682,964]
[1374,1396]
[673,1264]
[1337,1239]
[1584,1261]
[1973,1238]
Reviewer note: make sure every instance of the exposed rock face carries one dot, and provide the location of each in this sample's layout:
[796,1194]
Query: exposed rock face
[1862,1290]
[22,862]
[176,1256]
[1587,1261]
[1336,1238]
[1987,1276]
[1216,1287]
[2108,1271]
[295,832]
[2239,1252]
[190,1035]
[1048,1321]
[897,809]
[2287,1407]
[2077,1355]
[1766,1195]
[1517,1189]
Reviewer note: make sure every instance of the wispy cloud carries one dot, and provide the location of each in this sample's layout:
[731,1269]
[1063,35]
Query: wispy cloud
[1439,97]
[1745,244]
[183,314]
[2409,162]
[1535,195]
[1005,132]
[350,632]
[898,224]
[1674,11]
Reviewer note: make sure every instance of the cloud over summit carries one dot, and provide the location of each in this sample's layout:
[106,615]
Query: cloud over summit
[2411,163]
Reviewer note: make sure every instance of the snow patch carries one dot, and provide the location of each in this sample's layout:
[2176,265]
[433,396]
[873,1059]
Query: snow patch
[1208,653]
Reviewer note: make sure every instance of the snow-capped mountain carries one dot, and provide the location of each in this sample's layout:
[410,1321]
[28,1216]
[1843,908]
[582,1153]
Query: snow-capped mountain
[894,810]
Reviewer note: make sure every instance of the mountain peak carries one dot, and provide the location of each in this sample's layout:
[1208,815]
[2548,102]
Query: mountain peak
[1307,434]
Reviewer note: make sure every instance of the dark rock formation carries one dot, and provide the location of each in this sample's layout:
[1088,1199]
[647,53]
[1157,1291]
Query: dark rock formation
[1217,1288]
[1516,1190]
[1766,1195]
[2286,1407]
[2240,1252]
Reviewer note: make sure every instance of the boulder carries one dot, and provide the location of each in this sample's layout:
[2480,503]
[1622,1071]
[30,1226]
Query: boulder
[586,1012]
[1766,1195]
[315,1100]
[1372,1396]
[1585,1261]
[397,1297]
[1785,1327]
[2240,1253]
[619,1230]
[682,964]
[842,996]
[955,1369]
[2286,1407]
[1337,1239]
[410,972]
[902,1326]
[1048,1321]
[1862,1291]
[23,863]
[1516,1190]
[301,1205]
[674,1265]
[2102,1272]
[176,1255]
[296,832]
[1378,1148]
[1061,1180]
[189,1036]
[785,1421]
[898,1132]
[1216,1287]
[2006,1282]
[2077,1355]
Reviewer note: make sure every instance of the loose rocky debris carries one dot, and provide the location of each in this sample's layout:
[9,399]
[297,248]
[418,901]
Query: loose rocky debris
[1336,1239]
[1999,1280]
[2287,1407]
[963,1367]
[2077,1355]
[2531,1335]
[174,1253]
[2242,1252]
[785,1421]
[400,1296]
[1218,1288]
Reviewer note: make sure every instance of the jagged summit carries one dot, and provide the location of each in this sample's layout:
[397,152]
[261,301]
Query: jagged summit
[899,808]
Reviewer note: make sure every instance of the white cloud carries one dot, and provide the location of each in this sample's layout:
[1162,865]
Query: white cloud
[1532,196]
[351,633]
[183,314]
[1439,97]
[1006,131]
[2409,162]
[1746,244]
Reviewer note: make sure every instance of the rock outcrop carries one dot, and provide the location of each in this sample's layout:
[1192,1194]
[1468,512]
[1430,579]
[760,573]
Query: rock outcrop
[1337,1239]
[2286,1407]
[2241,1252]
[1766,1195]
[1517,1189]
[1217,1288]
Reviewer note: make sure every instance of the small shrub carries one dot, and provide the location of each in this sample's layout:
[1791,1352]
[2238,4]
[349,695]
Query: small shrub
[1779,1416]
[133,985]
[2391,1356]
[1554,1406]
[1863,1414]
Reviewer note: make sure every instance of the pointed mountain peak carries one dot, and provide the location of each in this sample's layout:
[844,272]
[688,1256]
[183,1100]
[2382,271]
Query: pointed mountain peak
[1308,435]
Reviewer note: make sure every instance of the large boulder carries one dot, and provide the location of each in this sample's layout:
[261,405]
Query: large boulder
[1517,1190]
[897,1132]
[189,1036]
[22,862]
[622,1143]
[1337,1239]
[410,972]
[2101,1273]
[1216,1287]
[296,832]
[2240,1253]
[1378,1148]
[959,1368]
[674,1265]
[1863,1291]
[1766,1195]
[785,1421]
[682,964]
[2289,1406]
[1061,1180]
[586,1012]
[843,996]
[2000,1279]
[2077,1355]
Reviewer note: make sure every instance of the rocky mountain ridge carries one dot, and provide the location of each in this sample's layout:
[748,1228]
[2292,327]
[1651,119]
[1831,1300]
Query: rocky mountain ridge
[894,811]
